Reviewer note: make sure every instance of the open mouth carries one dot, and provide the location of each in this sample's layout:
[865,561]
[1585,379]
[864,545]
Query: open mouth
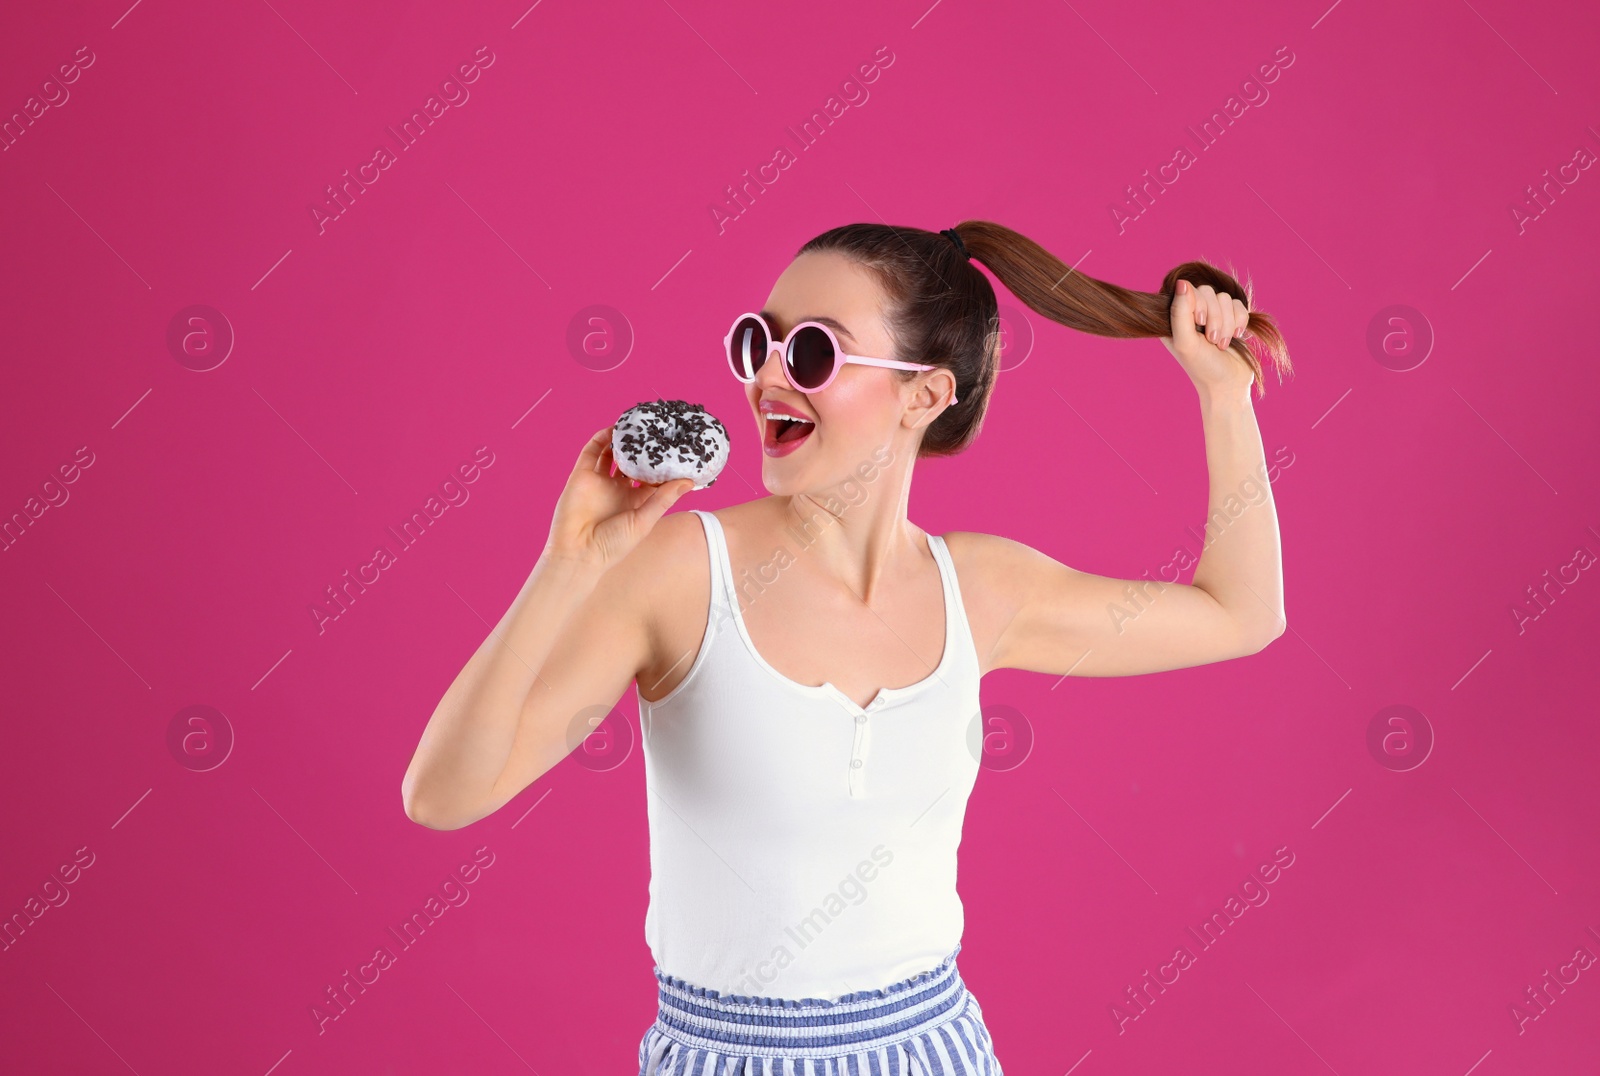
[787,431]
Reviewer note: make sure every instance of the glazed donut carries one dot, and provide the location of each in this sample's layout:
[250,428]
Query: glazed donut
[660,440]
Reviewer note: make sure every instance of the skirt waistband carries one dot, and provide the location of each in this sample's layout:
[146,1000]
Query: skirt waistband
[866,1019]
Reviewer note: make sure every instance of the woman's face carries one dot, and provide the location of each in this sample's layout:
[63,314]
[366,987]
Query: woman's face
[866,413]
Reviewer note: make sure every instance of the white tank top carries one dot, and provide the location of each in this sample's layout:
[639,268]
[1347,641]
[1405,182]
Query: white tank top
[802,846]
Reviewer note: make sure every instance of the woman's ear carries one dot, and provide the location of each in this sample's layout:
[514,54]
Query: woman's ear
[926,405]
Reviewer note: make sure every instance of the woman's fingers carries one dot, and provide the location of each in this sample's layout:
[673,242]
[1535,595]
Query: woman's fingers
[1214,313]
[1222,324]
[1185,314]
[662,498]
[1203,310]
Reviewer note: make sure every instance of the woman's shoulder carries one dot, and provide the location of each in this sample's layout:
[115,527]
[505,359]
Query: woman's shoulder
[994,574]
[992,550]
[979,551]
[673,573]
[751,518]
[990,565]
[676,538]
[677,543]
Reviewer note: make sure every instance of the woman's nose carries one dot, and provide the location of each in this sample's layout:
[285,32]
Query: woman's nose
[770,375]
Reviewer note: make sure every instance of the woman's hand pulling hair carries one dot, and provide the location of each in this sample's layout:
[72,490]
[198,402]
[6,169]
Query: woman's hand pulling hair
[1205,324]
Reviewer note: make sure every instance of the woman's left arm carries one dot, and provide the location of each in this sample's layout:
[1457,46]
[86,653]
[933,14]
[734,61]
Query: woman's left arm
[1051,618]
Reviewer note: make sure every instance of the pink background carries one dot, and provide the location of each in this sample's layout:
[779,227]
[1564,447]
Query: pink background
[371,358]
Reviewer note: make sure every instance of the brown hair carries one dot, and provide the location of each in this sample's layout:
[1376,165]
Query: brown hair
[943,311]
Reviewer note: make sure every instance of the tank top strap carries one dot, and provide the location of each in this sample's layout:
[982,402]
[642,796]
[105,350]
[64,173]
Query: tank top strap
[721,566]
[960,628]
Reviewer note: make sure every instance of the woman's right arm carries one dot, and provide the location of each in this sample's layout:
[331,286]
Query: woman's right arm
[574,637]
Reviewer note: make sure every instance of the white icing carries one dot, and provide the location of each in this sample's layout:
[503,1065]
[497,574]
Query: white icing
[651,423]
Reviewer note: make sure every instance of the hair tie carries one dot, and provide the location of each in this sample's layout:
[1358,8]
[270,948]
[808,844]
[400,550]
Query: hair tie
[950,234]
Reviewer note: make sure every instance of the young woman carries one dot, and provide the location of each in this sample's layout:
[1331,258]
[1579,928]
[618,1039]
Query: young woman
[807,663]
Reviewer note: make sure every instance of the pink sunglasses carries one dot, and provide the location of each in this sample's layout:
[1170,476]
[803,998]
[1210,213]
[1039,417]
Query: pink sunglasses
[812,356]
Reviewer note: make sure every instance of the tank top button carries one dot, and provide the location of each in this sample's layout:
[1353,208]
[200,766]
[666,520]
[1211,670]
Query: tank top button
[861,719]
[855,763]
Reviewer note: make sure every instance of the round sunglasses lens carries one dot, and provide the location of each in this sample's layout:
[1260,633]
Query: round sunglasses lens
[748,349]
[810,357]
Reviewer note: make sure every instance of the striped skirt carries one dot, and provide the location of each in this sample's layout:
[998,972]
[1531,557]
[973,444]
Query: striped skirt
[927,1025]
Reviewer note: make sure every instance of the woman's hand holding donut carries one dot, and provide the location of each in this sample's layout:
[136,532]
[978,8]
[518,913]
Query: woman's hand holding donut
[602,514]
[1207,358]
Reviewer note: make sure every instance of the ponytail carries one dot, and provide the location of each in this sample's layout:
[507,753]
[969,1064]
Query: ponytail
[943,311]
[1052,289]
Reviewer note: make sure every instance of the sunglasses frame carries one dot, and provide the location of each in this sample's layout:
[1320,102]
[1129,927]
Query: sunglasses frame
[840,358]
